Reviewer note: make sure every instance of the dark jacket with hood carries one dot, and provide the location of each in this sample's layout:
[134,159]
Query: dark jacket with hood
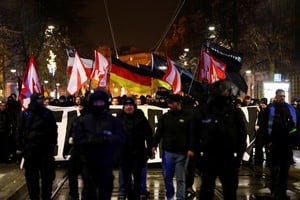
[98,135]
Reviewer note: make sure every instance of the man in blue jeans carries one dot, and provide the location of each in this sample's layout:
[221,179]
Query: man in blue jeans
[176,133]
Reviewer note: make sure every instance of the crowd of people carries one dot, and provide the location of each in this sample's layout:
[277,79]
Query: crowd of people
[207,137]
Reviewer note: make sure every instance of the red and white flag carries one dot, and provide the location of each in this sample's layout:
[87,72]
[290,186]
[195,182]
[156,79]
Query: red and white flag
[88,63]
[172,76]
[100,70]
[211,69]
[30,84]
[78,76]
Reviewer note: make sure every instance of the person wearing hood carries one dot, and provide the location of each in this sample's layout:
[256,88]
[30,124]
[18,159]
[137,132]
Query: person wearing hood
[37,141]
[137,149]
[174,132]
[221,138]
[98,136]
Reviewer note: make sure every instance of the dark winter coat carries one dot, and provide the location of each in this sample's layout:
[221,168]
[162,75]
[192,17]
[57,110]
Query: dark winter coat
[175,131]
[99,138]
[221,132]
[37,131]
[279,141]
[138,133]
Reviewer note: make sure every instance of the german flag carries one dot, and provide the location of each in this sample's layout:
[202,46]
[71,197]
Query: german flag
[129,76]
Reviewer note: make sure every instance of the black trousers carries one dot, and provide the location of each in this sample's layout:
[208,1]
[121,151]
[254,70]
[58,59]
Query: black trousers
[74,169]
[259,145]
[190,176]
[228,175]
[4,147]
[132,167]
[38,168]
[279,173]
[98,181]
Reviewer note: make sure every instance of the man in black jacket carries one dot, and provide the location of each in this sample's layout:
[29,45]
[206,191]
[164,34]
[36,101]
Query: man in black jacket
[222,142]
[37,139]
[137,148]
[281,128]
[175,131]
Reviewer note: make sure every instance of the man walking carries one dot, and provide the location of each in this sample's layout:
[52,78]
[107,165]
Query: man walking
[222,142]
[98,136]
[136,151]
[175,131]
[37,139]
[281,126]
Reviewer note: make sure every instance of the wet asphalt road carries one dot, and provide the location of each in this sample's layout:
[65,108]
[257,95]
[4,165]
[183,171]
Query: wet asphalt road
[253,183]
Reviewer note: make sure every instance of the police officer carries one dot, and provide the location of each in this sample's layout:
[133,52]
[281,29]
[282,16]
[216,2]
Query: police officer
[98,135]
[37,139]
[222,142]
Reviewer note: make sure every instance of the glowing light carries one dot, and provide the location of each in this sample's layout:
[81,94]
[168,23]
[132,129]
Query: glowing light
[51,63]
[211,28]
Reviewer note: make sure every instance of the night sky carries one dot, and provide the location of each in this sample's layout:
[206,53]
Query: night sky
[138,23]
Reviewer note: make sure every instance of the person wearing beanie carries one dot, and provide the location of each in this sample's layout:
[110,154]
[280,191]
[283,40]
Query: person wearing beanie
[136,151]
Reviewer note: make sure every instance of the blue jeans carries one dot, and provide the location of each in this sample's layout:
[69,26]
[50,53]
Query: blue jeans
[173,164]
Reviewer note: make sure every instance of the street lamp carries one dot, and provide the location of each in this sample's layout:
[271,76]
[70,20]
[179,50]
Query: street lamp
[45,87]
[211,28]
[212,32]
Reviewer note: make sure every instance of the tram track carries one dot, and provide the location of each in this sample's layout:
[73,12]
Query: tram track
[253,181]
[59,186]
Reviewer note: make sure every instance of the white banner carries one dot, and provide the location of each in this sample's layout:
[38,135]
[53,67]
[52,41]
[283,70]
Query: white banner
[65,116]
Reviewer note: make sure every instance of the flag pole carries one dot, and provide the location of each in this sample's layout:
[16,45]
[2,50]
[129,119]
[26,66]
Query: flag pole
[108,75]
[111,29]
[194,74]
[179,6]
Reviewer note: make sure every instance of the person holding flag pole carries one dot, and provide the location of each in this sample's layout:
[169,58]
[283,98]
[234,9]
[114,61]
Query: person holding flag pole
[36,137]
